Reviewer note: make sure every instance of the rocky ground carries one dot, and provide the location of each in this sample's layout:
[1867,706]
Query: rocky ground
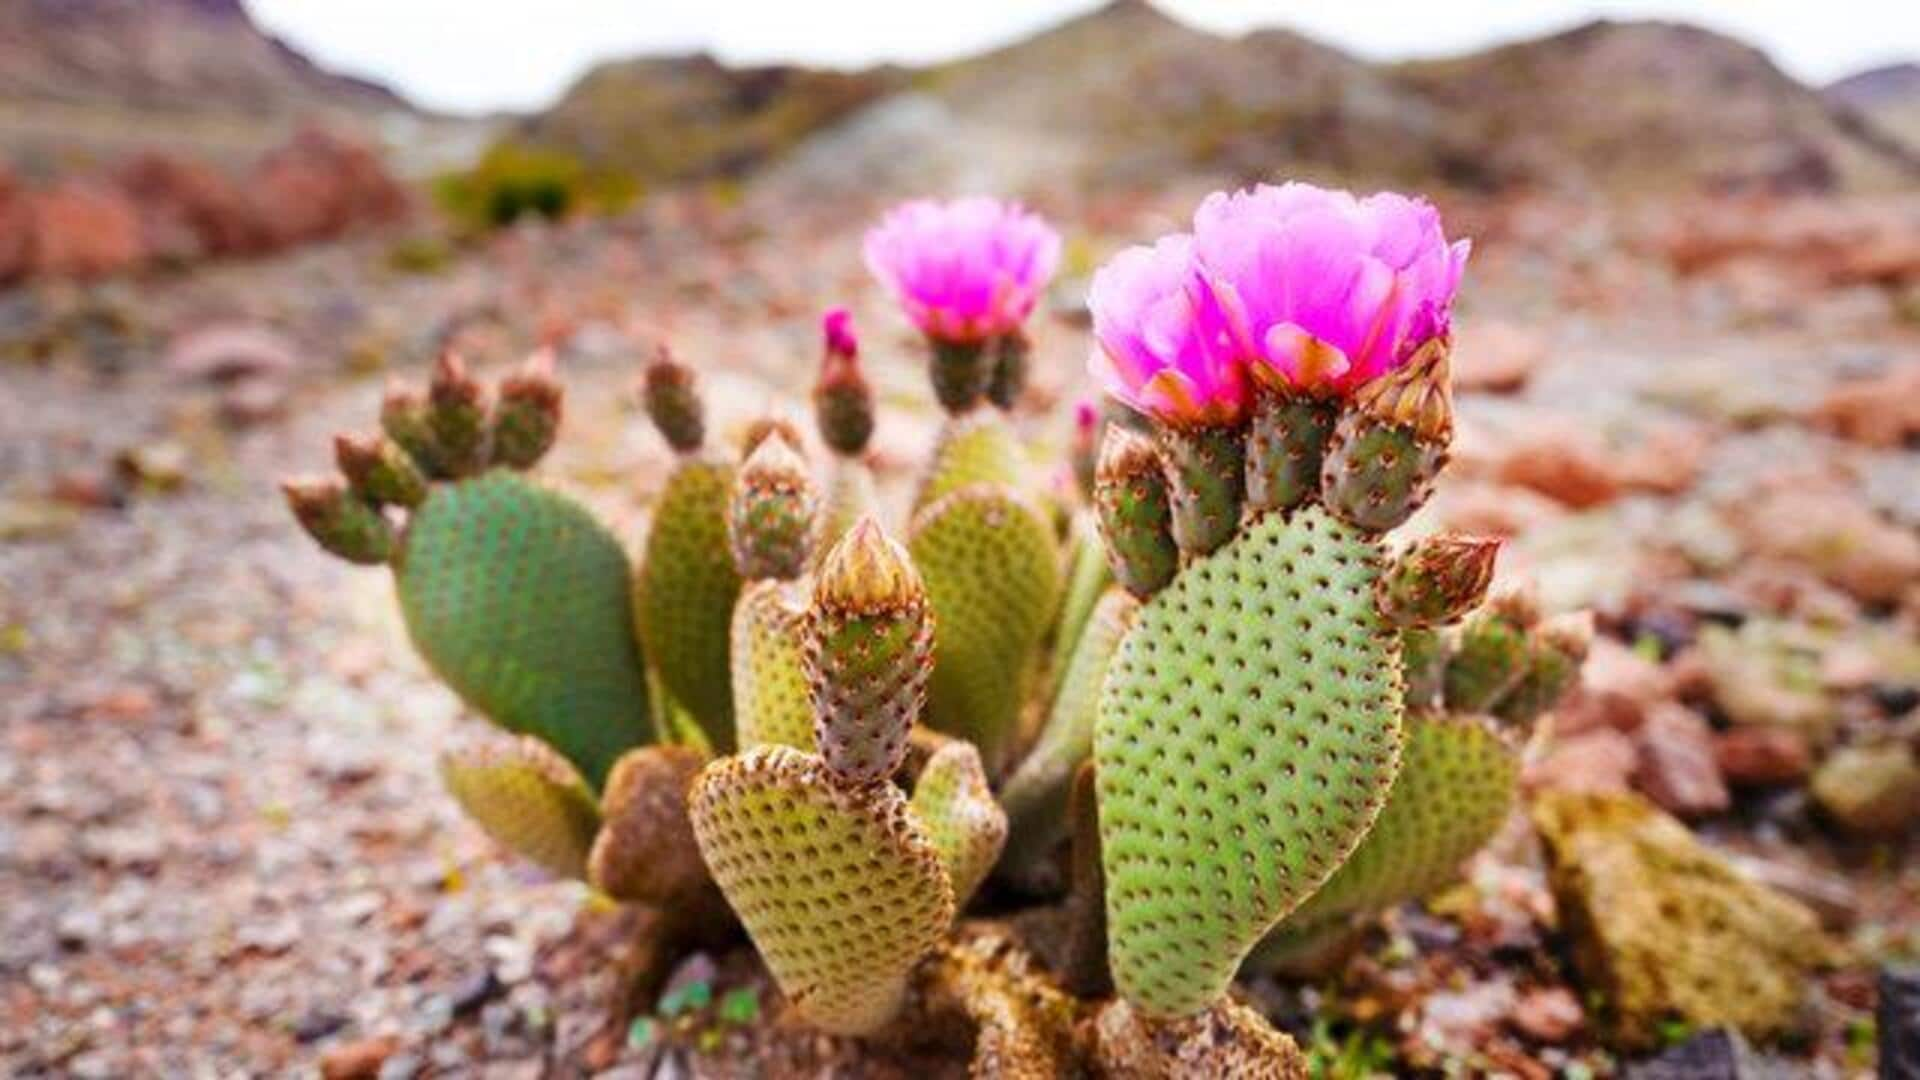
[223,848]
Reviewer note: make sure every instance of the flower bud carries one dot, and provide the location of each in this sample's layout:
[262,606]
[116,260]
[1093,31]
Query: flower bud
[1131,507]
[772,514]
[1391,443]
[528,414]
[380,472]
[340,520]
[457,412]
[869,651]
[673,403]
[1206,481]
[403,416]
[1437,580]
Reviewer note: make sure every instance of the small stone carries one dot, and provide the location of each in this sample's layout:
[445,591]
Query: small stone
[1762,756]
[1617,688]
[1898,1020]
[1569,471]
[1496,356]
[1872,790]
[474,991]
[1677,767]
[358,1060]
[1550,1014]
[78,928]
[1595,761]
[317,1024]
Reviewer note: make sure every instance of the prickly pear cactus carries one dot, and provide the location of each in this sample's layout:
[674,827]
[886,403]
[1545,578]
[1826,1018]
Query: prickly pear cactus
[1250,728]
[967,827]
[527,798]
[515,594]
[769,682]
[975,448]
[992,574]
[684,593]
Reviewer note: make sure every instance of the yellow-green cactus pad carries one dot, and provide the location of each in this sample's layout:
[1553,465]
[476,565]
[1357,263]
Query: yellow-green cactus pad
[1249,733]
[645,851]
[840,888]
[1036,794]
[519,599]
[527,798]
[685,592]
[958,811]
[1455,790]
[975,448]
[992,575]
[769,680]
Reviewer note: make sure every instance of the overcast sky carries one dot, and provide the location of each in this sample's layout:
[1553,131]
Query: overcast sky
[474,55]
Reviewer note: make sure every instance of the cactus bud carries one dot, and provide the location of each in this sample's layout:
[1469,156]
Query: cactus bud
[380,472]
[527,417]
[341,521]
[1130,501]
[673,403]
[457,412]
[1084,450]
[1206,482]
[763,426]
[403,416]
[1437,580]
[960,372]
[869,650]
[1391,443]
[842,400]
[1011,354]
[1285,446]
[771,516]
[1493,653]
[1555,654]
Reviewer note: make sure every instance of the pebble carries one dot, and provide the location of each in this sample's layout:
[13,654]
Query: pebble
[361,1059]
[1549,1014]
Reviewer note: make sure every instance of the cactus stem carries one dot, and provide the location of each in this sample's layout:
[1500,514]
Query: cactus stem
[1206,484]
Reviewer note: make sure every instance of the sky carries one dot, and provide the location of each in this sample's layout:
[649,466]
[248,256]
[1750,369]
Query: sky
[480,55]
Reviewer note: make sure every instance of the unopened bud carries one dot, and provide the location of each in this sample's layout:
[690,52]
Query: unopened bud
[527,418]
[404,417]
[1391,443]
[842,399]
[674,404]
[773,512]
[341,521]
[1084,449]
[1437,580]
[457,412]
[379,471]
[1131,506]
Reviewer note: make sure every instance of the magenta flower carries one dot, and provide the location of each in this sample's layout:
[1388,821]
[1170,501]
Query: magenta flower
[836,327]
[967,270]
[1161,342]
[1322,289]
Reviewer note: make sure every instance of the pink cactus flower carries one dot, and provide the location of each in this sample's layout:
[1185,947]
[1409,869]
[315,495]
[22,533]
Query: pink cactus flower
[967,270]
[1161,342]
[1324,290]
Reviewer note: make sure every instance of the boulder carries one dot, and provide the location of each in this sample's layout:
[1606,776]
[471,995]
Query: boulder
[1654,919]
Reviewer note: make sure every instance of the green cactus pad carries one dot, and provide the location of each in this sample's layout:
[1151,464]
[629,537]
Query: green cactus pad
[527,799]
[518,598]
[1036,794]
[769,680]
[1490,659]
[839,887]
[992,575]
[1455,789]
[957,809]
[1249,732]
[685,592]
[645,851]
[1087,576]
[977,448]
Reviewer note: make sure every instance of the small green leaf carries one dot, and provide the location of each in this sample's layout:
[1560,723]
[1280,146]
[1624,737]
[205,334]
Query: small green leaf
[740,1006]
[688,998]
[642,1032]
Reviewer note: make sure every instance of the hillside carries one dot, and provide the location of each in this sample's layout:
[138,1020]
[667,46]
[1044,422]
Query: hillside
[1650,106]
[1888,97]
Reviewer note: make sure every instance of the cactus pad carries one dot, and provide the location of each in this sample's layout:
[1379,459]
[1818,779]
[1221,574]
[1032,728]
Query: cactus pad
[992,574]
[527,799]
[1454,791]
[645,851]
[841,890]
[977,448]
[769,682]
[957,809]
[518,598]
[1249,732]
[685,592]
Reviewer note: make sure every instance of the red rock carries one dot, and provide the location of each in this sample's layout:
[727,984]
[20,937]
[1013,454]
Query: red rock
[1496,357]
[16,230]
[83,231]
[1549,1014]
[177,197]
[358,1060]
[1677,767]
[320,185]
[1602,760]
[1834,532]
[1564,468]
[1667,463]
[1882,411]
[1617,689]
[1755,756]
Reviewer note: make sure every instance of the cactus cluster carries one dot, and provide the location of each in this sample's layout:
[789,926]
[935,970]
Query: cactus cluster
[1198,692]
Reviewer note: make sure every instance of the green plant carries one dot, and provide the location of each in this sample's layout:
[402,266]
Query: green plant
[512,181]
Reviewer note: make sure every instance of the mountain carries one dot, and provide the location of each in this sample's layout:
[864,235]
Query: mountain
[92,78]
[1888,97]
[1652,106]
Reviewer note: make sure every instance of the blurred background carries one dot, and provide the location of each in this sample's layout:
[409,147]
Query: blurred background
[1689,363]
